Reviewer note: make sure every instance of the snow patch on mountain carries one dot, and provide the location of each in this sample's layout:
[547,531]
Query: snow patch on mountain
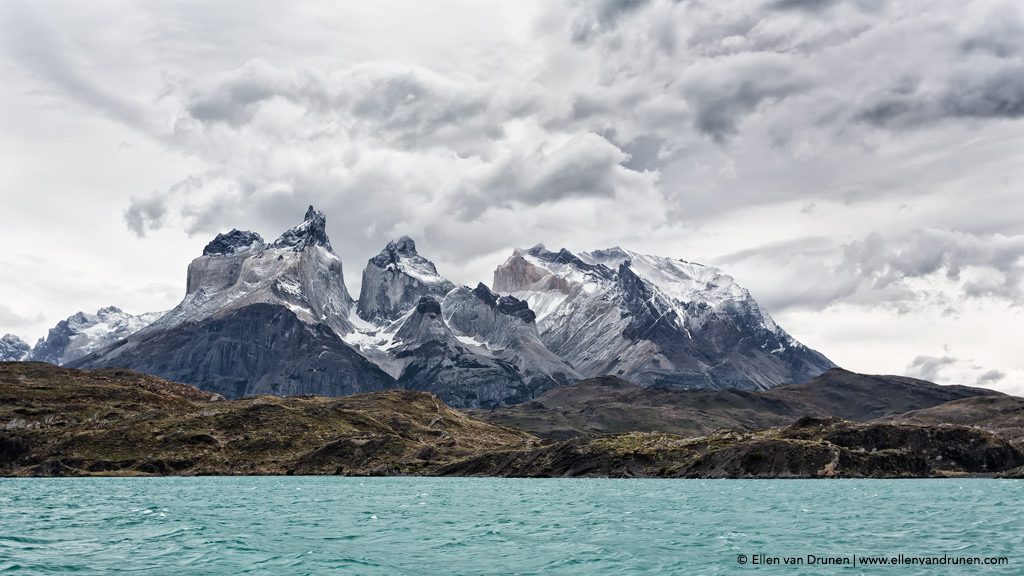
[13,349]
[655,320]
[395,280]
[299,270]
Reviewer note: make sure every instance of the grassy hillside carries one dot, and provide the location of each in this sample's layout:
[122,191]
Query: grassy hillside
[58,421]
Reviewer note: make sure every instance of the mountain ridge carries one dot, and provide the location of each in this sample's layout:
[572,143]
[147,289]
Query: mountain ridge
[561,317]
[610,405]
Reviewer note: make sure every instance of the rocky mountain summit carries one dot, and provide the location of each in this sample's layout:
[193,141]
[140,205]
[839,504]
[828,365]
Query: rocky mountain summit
[13,349]
[277,318]
[395,280]
[257,319]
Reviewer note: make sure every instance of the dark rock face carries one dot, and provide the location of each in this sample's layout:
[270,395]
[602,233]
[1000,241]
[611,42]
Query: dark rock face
[515,307]
[232,242]
[428,305]
[509,305]
[807,449]
[13,349]
[394,251]
[504,328]
[564,256]
[437,362]
[258,349]
[485,294]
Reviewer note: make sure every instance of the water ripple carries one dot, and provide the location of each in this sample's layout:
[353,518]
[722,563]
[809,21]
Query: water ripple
[322,525]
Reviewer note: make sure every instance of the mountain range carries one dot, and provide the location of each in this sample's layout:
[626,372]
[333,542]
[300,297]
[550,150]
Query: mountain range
[277,318]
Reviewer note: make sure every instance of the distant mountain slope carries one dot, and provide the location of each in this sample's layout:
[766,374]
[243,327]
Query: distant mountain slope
[13,349]
[611,405]
[81,334]
[865,397]
[277,317]
[1001,415]
[472,348]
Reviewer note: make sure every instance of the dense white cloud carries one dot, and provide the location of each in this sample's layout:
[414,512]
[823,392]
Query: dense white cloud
[845,159]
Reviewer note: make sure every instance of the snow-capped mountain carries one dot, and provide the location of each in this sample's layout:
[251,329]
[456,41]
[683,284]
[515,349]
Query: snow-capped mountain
[83,333]
[277,318]
[299,271]
[431,335]
[654,320]
[257,319]
[13,349]
[395,280]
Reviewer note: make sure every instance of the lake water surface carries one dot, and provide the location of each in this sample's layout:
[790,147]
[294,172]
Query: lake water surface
[331,525]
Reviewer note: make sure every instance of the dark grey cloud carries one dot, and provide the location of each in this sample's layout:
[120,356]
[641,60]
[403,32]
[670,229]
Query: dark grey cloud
[990,377]
[585,166]
[726,90]
[144,214]
[817,6]
[884,262]
[809,5]
[929,367]
[48,57]
[599,16]
[1000,32]
[993,94]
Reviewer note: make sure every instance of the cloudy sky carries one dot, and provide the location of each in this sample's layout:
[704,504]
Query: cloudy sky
[857,164]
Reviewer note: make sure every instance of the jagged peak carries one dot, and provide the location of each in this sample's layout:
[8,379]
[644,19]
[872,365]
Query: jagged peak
[395,250]
[314,215]
[505,304]
[613,252]
[404,245]
[312,232]
[109,310]
[428,305]
[486,294]
[513,306]
[233,242]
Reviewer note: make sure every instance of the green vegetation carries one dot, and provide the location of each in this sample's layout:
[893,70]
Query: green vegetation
[58,421]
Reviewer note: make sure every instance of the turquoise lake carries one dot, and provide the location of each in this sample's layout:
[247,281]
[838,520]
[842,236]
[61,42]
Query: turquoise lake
[331,525]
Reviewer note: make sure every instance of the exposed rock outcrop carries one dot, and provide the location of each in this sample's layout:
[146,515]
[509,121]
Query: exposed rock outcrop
[256,319]
[395,280]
